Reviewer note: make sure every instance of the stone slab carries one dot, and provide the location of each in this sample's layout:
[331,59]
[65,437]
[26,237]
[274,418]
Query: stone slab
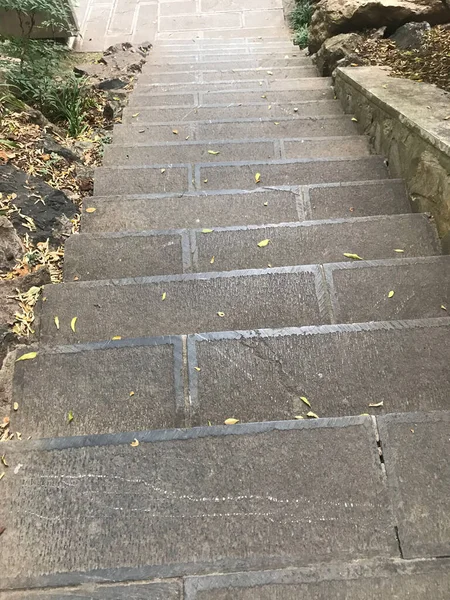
[360,291]
[312,242]
[124,134]
[132,308]
[95,382]
[199,21]
[186,502]
[193,210]
[136,591]
[224,111]
[278,73]
[340,369]
[198,63]
[215,5]
[415,450]
[358,200]
[168,78]
[121,256]
[289,172]
[366,580]
[129,180]
[339,147]
[163,100]
[296,96]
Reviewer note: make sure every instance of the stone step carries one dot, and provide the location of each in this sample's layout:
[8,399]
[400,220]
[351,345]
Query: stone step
[115,255]
[235,129]
[157,506]
[227,111]
[204,76]
[230,176]
[196,152]
[201,209]
[223,54]
[161,65]
[229,97]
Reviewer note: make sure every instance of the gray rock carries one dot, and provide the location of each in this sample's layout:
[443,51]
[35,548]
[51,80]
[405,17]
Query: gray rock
[112,84]
[334,50]
[410,36]
[51,146]
[11,248]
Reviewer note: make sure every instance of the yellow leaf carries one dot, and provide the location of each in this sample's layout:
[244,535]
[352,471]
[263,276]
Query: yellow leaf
[134,443]
[16,406]
[263,96]
[207,230]
[269,107]
[364,415]
[57,322]
[275,123]
[135,115]
[212,260]
[117,337]
[443,307]
[354,256]
[28,356]
[70,416]
[305,400]
[263,243]
[205,181]
[376,404]
[164,295]
[213,152]
[231,421]
[3,459]
[399,250]
[266,204]
[163,170]
[175,131]
[131,393]
[391,293]
[2,475]
[269,73]
[257,177]
[73,323]
[298,417]
[353,119]
[221,314]
[312,415]
[90,209]
[197,368]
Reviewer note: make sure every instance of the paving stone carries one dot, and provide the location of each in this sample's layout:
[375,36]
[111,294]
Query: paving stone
[263,18]
[415,450]
[360,292]
[293,172]
[364,199]
[129,180]
[163,100]
[168,78]
[296,96]
[184,7]
[202,113]
[249,74]
[134,308]
[368,580]
[95,383]
[339,147]
[125,256]
[198,63]
[188,151]
[372,238]
[124,134]
[340,369]
[135,591]
[215,5]
[193,210]
[156,505]
[199,21]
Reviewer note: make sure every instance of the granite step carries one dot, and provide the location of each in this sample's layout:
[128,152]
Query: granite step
[178,517]
[161,65]
[235,129]
[235,175]
[257,207]
[234,150]
[114,255]
[229,97]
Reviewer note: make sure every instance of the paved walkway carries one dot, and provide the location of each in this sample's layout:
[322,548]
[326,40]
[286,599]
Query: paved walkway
[106,22]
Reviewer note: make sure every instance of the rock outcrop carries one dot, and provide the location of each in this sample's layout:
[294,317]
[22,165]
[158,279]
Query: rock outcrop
[334,50]
[342,16]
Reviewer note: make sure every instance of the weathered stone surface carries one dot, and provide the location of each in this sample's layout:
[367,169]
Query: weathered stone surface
[96,384]
[415,141]
[415,450]
[261,376]
[11,247]
[150,179]
[371,580]
[136,591]
[334,16]
[360,291]
[335,49]
[410,35]
[169,507]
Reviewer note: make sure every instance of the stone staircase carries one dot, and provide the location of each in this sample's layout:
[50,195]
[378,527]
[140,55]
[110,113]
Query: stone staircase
[211,282]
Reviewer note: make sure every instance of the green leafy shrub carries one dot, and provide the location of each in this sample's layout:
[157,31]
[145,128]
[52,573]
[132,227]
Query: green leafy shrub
[299,20]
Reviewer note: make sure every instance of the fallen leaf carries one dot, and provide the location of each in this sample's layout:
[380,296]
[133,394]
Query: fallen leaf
[135,115]
[162,170]
[305,400]
[164,295]
[212,260]
[231,421]
[213,152]
[205,181]
[57,322]
[263,243]
[298,417]
[16,406]
[134,443]
[175,131]
[376,404]
[19,437]
[269,107]
[312,415]
[187,137]
[131,393]
[263,96]
[197,368]
[3,459]
[391,293]
[91,209]
[269,73]
[221,314]
[207,230]
[257,177]
[1,477]
[276,123]
[28,356]
[354,256]
[73,323]
[70,416]
[295,109]
[399,250]
[266,204]
[353,119]
[443,307]
[117,337]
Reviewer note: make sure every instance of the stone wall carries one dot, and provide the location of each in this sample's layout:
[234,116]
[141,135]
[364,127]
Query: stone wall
[409,124]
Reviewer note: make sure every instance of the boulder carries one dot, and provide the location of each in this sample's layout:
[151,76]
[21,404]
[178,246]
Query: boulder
[11,248]
[334,50]
[410,36]
[332,17]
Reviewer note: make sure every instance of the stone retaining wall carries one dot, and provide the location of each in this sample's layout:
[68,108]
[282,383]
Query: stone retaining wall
[409,123]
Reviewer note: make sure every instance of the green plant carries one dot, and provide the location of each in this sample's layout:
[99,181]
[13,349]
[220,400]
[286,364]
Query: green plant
[301,36]
[68,101]
[299,20]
